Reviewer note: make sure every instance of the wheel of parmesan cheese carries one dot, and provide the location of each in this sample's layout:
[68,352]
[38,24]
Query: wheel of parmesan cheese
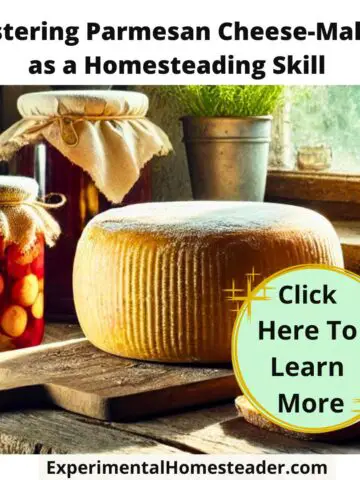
[149,279]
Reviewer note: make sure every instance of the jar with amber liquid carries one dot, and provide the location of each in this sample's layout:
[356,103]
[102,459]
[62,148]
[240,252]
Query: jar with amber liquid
[55,173]
[91,146]
[25,227]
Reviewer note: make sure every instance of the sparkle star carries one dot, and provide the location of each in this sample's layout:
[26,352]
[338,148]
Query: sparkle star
[249,296]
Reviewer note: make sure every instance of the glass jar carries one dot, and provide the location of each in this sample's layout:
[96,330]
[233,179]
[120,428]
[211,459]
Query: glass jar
[25,228]
[55,173]
[70,141]
[22,295]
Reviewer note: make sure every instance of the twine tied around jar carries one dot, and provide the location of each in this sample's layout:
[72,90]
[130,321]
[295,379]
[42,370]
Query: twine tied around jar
[43,203]
[67,124]
[23,216]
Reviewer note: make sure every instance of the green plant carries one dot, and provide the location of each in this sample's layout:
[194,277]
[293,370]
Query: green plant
[222,100]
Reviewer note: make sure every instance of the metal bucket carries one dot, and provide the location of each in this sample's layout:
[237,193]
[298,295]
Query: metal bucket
[227,157]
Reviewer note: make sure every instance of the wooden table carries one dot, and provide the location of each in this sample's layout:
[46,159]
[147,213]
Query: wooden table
[213,429]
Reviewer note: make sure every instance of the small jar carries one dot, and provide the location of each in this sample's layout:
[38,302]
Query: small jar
[25,226]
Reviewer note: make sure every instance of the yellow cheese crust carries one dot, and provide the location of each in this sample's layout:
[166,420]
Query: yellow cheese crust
[149,279]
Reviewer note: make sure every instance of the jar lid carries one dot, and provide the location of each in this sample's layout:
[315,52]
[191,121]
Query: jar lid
[17,189]
[23,217]
[83,102]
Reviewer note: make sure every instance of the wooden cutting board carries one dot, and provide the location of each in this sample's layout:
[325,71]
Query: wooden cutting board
[78,377]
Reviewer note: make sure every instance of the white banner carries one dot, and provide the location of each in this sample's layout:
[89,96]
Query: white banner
[180,42]
[183,467]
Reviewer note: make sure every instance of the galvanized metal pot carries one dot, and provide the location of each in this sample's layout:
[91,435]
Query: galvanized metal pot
[227,157]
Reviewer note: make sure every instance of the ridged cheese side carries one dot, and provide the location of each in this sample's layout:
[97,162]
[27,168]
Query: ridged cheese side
[160,297]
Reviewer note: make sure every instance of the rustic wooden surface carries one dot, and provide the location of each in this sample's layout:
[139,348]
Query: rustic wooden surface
[57,332]
[337,196]
[210,429]
[302,185]
[349,234]
[206,430]
[78,377]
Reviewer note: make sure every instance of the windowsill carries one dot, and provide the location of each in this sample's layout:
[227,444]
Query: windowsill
[313,186]
[335,195]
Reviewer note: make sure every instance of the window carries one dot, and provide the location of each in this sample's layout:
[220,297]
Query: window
[323,116]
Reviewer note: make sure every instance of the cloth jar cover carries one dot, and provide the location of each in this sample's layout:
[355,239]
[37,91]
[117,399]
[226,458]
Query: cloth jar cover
[22,216]
[106,133]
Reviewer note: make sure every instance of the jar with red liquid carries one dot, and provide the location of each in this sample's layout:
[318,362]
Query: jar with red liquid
[25,226]
[91,146]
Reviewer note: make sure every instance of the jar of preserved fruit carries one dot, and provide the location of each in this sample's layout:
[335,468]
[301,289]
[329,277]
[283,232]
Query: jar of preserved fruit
[25,227]
[92,146]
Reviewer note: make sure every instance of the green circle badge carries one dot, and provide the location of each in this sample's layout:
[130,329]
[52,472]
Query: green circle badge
[296,348]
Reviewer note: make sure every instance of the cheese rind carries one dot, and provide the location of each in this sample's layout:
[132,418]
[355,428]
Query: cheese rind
[149,279]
